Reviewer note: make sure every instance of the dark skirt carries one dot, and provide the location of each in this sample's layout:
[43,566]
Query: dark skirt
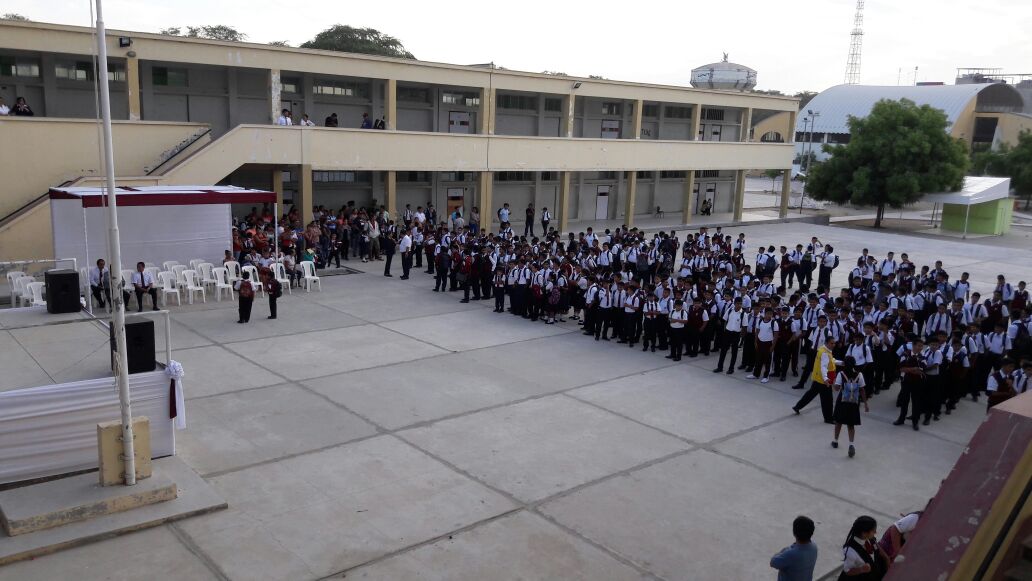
[847,413]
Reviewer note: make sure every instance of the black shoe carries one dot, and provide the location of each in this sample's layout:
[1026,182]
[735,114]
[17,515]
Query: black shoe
[644,349]
[270,317]
[796,410]
[464,301]
[388,274]
[936,418]
[403,278]
[730,371]
[241,322]
[926,421]
[654,350]
[852,451]
[669,356]
[834,443]
[155,309]
[605,338]
[915,427]
[782,378]
[620,341]
[436,291]
[596,338]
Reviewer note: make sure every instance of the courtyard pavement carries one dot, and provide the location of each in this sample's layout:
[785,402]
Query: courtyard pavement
[379,430]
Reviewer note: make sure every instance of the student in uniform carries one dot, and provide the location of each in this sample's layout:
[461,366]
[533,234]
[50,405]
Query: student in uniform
[678,319]
[651,316]
[273,289]
[1000,384]
[912,378]
[246,293]
[765,335]
[604,304]
[499,289]
[821,377]
[734,319]
[851,390]
[698,318]
[862,558]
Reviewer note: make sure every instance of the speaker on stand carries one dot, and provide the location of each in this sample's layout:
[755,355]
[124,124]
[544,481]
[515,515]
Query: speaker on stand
[139,346]
[62,291]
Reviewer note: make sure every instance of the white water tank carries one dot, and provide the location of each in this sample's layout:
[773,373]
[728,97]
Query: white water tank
[726,76]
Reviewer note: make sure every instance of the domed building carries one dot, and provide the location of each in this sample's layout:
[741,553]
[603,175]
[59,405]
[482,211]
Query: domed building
[724,76]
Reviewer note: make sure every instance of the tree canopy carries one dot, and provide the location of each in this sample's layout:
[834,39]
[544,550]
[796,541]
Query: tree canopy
[14,16]
[1012,161]
[895,155]
[345,38]
[214,32]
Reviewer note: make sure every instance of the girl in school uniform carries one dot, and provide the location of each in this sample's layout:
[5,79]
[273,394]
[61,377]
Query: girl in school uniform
[849,387]
[863,559]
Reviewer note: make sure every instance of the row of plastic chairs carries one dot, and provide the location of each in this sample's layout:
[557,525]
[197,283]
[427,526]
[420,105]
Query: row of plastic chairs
[25,290]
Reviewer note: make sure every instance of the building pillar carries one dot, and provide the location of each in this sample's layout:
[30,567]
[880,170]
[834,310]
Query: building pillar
[275,92]
[739,195]
[277,186]
[132,86]
[570,103]
[487,111]
[485,188]
[790,138]
[305,193]
[391,193]
[638,105]
[746,125]
[696,121]
[563,211]
[786,193]
[391,111]
[689,198]
[632,192]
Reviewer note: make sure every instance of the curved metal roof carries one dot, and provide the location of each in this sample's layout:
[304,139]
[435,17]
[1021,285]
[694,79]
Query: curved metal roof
[836,104]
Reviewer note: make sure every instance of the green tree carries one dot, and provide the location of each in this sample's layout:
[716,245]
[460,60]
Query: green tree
[773,174]
[344,38]
[14,16]
[215,32]
[1012,161]
[279,43]
[895,155]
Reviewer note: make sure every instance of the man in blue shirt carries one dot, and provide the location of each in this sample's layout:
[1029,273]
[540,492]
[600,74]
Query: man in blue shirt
[796,563]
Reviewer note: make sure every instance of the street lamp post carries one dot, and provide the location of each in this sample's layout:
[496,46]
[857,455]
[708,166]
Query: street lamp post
[812,118]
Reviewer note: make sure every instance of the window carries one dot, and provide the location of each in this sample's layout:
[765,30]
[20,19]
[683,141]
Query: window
[346,177]
[839,138]
[650,110]
[168,77]
[456,176]
[608,175]
[466,99]
[772,137]
[341,88]
[414,94]
[515,176]
[80,71]
[18,67]
[413,176]
[672,112]
[290,85]
[671,175]
[549,176]
[612,108]
[643,175]
[713,114]
[521,102]
[553,104]
[707,173]
[116,74]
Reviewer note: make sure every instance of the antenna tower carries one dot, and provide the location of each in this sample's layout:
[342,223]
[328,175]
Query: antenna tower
[856,41]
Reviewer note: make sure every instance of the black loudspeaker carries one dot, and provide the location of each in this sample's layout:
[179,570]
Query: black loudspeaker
[62,291]
[139,346]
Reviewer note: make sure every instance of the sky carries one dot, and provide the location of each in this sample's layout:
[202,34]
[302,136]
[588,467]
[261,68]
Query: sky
[794,45]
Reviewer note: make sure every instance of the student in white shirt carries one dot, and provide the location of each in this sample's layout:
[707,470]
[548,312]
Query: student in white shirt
[100,283]
[284,118]
[860,553]
[305,121]
[733,321]
[143,284]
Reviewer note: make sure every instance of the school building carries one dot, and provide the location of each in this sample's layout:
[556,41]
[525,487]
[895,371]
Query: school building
[199,112]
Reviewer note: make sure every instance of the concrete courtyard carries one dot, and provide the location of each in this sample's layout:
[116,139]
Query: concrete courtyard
[379,430]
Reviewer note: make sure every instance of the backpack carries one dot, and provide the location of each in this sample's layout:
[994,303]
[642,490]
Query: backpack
[643,261]
[467,265]
[553,295]
[246,290]
[275,288]
[836,261]
[1022,341]
[771,265]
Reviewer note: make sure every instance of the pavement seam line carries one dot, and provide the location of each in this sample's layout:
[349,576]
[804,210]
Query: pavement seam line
[187,541]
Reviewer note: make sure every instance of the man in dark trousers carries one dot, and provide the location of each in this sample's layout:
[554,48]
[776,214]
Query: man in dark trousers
[822,376]
[442,266]
[274,289]
[387,247]
[246,291]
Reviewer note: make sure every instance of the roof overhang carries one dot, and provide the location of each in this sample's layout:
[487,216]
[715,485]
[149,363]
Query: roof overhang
[976,190]
[164,195]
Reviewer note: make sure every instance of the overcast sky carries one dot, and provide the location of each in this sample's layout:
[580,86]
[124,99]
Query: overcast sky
[795,45]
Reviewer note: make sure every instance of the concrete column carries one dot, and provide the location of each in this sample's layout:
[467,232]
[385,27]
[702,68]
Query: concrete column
[305,193]
[696,120]
[569,105]
[275,92]
[49,77]
[632,192]
[132,85]
[563,210]
[790,138]
[486,188]
[277,186]
[689,198]
[746,125]
[392,108]
[391,193]
[786,193]
[739,194]
[487,111]
[231,98]
[636,123]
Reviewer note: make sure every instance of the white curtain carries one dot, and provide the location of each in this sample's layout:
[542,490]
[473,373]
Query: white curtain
[52,429]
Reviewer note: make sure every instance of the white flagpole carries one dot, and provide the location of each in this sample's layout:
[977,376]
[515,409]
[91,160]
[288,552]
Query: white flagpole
[115,270]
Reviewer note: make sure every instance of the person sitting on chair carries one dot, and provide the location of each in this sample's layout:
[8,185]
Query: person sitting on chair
[143,283]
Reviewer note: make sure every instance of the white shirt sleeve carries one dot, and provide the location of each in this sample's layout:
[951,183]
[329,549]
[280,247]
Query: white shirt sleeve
[852,560]
[907,523]
[825,360]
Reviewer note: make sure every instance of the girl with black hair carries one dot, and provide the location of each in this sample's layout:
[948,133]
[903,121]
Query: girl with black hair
[863,559]
[850,387]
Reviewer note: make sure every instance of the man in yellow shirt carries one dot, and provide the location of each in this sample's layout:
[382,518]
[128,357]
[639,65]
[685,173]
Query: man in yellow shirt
[822,377]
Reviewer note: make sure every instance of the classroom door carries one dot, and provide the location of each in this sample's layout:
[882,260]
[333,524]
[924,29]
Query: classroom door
[602,203]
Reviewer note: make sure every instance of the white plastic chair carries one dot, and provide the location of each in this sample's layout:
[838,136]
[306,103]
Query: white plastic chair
[279,272]
[167,282]
[193,286]
[168,264]
[308,273]
[127,279]
[35,292]
[13,276]
[19,290]
[256,281]
[221,276]
[233,269]
[178,271]
[195,262]
[204,269]
[153,272]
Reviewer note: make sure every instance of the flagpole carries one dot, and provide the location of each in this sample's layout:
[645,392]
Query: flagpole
[115,250]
